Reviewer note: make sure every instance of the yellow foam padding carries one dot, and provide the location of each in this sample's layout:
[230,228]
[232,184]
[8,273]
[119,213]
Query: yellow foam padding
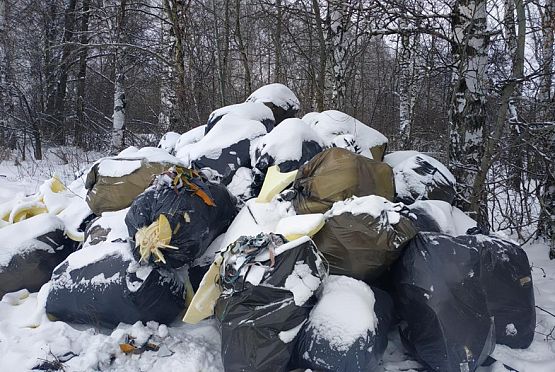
[204,300]
[274,183]
[296,229]
[153,238]
[26,211]
[76,236]
[56,185]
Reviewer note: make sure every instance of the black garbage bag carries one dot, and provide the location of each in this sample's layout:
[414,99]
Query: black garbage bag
[421,177]
[104,285]
[223,150]
[279,98]
[507,280]
[247,110]
[29,252]
[346,330]
[265,300]
[446,323]
[290,145]
[439,216]
[182,214]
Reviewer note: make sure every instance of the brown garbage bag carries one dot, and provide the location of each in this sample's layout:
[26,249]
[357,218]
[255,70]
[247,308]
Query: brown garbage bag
[337,174]
[107,194]
[363,246]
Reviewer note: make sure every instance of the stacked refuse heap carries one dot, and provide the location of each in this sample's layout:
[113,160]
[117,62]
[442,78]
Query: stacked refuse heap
[305,241]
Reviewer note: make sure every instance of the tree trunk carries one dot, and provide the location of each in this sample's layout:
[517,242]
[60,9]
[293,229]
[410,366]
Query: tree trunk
[323,57]
[467,116]
[118,118]
[82,74]
[278,75]
[338,23]
[242,49]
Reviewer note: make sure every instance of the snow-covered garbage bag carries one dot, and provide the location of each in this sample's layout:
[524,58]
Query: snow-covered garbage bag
[440,298]
[247,110]
[346,330]
[440,217]
[174,221]
[223,150]
[421,177]
[279,98]
[337,174]
[188,138]
[363,237]
[507,280]
[114,182]
[269,288]
[168,141]
[29,252]
[103,284]
[289,145]
[341,130]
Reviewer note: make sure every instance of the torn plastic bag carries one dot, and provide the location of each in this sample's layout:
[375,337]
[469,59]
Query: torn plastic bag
[223,150]
[104,285]
[440,298]
[337,174]
[279,98]
[247,110]
[182,214]
[363,237]
[439,216]
[421,177]
[29,252]
[507,280]
[346,330]
[268,291]
[289,145]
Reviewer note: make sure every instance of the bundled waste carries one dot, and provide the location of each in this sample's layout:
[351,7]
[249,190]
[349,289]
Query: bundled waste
[176,219]
[363,237]
[280,99]
[248,110]
[103,284]
[30,250]
[346,330]
[337,174]
[440,298]
[269,288]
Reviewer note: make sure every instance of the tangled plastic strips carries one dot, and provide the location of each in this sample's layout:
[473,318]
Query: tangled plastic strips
[153,238]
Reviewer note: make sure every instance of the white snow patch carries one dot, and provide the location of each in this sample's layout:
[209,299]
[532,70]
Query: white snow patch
[276,93]
[373,205]
[190,137]
[288,336]
[248,110]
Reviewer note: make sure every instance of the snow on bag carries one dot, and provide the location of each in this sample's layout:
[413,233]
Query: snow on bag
[440,298]
[269,288]
[507,280]
[363,237]
[114,182]
[188,138]
[289,145]
[174,221]
[168,141]
[337,174]
[279,98]
[421,177]
[102,284]
[341,130]
[29,252]
[223,150]
[247,110]
[440,217]
[346,330]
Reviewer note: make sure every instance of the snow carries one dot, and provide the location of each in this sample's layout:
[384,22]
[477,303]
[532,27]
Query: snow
[451,220]
[190,137]
[373,205]
[241,182]
[276,93]
[168,141]
[397,157]
[118,168]
[288,336]
[302,283]
[285,142]
[150,154]
[304,224]
[228,131]
[247,110]
[21,237]
[335,321]
[335,127]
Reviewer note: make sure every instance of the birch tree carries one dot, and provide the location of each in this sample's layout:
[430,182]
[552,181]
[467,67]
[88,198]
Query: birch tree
[118,117]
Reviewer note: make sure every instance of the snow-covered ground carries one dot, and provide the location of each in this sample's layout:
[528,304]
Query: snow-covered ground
[29,339]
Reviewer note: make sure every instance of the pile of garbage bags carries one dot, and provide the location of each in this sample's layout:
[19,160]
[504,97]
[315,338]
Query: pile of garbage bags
[302,238]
